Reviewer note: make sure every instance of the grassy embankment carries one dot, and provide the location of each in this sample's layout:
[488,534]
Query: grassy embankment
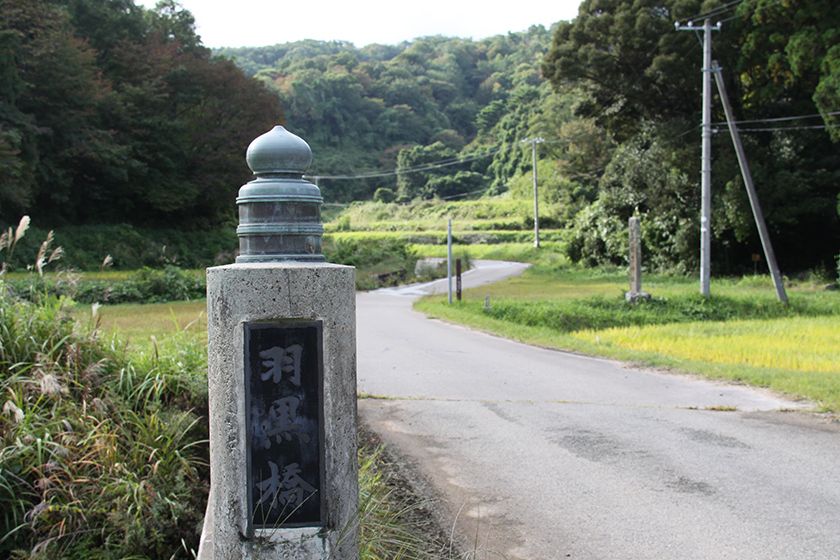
[484,222]
[740,334]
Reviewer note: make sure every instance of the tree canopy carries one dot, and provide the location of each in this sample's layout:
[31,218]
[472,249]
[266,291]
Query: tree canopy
[360,107]
[112,113]
[642,78]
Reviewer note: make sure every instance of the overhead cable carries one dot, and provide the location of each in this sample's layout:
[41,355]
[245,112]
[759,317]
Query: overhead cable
[714,11]
[730,18]
[782,119]
[415,169]
[780,128]
[463,194]
[433,165]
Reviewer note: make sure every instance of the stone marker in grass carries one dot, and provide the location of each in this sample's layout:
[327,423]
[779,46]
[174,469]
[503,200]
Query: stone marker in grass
[281,375]
[636,293]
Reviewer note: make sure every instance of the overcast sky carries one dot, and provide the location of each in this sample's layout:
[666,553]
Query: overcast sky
[238,23]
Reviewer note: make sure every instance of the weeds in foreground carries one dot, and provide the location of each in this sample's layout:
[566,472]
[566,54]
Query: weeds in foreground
[9,240]
[387,528]
[101,456]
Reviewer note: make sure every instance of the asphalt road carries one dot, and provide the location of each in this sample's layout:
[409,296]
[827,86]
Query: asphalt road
[539,454]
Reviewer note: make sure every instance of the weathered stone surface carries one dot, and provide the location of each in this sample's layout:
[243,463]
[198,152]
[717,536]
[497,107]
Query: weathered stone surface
[247,292]
[635,261]
[635,255]
[633,297]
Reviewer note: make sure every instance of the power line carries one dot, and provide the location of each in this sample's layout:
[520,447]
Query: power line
[730,18]
[719,11]
[450,197]
[680,135]
[778,128]
[435,164]
[715,11]
[782,119]
[425,167]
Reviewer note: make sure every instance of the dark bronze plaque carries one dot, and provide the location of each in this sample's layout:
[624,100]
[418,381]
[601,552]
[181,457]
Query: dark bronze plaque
[283,381]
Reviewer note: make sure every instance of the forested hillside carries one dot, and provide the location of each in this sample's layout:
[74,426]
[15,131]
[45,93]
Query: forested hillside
[615,93]
[382,107]
[110,113]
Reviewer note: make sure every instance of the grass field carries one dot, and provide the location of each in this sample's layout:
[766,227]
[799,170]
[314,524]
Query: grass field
[522,252]
[137,323]
[741,334]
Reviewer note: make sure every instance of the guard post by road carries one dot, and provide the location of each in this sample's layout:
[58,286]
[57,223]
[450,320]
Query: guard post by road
[281,375]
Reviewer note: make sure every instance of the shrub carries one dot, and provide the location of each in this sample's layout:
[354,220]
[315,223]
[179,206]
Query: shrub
[133,248]
[597,237]
[143,286]
[384,194]
[379,262]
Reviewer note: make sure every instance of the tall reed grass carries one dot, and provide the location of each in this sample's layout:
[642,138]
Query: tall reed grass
[102,455]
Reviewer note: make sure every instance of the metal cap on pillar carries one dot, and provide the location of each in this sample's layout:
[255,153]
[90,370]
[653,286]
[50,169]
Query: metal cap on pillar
[279,211]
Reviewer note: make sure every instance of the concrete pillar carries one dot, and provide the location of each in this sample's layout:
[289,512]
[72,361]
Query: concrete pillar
[635,262]
[281,376]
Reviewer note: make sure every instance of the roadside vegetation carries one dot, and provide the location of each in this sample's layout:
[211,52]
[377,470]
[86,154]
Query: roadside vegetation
[380,260]
[102,452]
[103,438]
[103,427]
[742,333]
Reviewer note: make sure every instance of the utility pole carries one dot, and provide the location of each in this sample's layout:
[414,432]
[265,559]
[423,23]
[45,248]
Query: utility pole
[534,141]
[706,154]
[748,182]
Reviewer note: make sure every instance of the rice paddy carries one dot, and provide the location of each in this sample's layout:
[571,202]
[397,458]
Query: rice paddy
[802,344]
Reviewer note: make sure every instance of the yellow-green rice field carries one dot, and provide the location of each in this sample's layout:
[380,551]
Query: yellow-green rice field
[803,344]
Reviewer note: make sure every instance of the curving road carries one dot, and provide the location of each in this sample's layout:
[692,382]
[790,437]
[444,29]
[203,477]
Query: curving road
[539,454]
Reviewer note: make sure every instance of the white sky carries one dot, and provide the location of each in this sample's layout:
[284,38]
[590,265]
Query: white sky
[251,23]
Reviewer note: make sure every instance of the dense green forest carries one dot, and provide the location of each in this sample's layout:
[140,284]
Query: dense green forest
[110,113]
[615,93]
[400,107]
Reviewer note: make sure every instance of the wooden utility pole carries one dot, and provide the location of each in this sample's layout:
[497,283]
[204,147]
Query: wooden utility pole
[758,215]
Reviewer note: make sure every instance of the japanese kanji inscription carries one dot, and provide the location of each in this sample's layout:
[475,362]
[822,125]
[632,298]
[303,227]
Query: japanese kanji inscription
[283,379]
